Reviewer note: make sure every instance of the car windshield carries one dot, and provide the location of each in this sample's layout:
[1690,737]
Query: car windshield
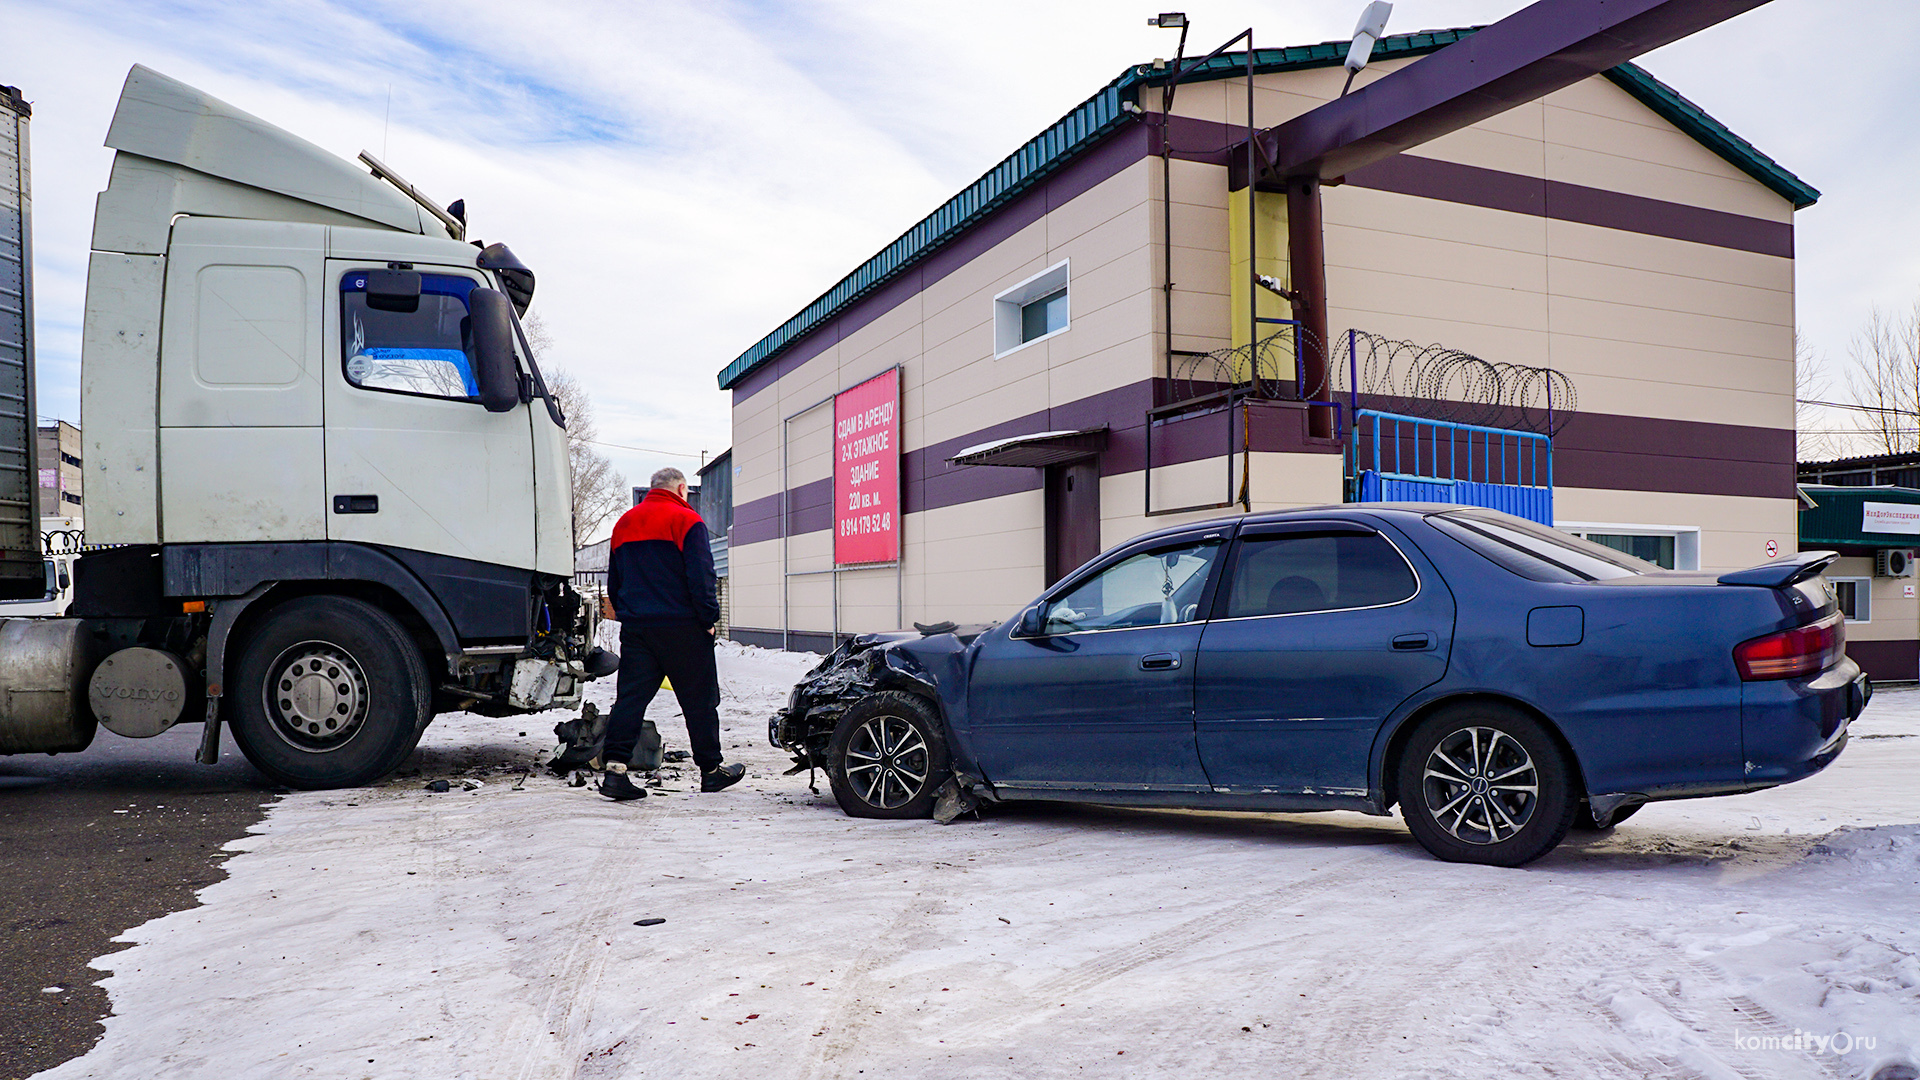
[1535,551]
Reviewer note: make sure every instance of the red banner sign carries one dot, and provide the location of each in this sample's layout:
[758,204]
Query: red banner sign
[866,471]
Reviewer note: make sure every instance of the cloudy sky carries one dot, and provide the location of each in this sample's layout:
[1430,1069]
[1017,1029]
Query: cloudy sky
[685,176]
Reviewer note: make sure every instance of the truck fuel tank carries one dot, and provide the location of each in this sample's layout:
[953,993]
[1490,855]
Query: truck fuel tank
[140,692]
[44,664]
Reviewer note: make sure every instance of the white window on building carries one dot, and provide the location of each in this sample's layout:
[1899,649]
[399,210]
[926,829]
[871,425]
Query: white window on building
[1856,597]
[1673,547]
[1034,310]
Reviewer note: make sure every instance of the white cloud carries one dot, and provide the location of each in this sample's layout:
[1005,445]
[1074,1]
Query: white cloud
[685,176]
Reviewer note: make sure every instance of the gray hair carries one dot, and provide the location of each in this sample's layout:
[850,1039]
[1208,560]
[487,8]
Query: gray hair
[667,478]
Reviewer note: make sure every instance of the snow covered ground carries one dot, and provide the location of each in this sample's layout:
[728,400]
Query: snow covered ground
[491,934]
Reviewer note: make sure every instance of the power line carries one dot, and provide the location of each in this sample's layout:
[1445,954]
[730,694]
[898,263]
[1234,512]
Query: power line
[644,449]
[1857,408]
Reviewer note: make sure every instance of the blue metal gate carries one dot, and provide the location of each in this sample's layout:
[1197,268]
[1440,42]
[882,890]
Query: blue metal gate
[1396,458]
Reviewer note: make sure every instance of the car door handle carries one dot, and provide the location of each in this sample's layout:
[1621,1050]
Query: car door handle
[1160,661]
[356,504]
[1413,642]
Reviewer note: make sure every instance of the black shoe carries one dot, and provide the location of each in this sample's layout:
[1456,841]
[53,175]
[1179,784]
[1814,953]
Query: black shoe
[721,777]
[620,787]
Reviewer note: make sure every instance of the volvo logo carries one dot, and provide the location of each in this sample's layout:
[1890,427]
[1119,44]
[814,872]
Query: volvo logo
[135,693]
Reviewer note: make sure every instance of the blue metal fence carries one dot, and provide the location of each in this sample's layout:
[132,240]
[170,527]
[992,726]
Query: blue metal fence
[1395,458]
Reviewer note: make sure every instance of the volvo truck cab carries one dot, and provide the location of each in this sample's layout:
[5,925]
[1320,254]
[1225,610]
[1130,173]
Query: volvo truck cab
[334,484]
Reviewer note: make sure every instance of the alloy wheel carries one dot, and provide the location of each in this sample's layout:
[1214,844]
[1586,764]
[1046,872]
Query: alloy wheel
[887,762]
[1480,785]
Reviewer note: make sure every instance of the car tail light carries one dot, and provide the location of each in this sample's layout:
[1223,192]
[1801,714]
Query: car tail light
[1803,650]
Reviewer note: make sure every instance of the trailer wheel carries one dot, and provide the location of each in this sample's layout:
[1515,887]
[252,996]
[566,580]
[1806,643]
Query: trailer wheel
[328,692]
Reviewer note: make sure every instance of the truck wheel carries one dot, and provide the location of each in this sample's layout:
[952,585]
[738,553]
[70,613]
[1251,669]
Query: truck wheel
[1484,783]
[328,692]
[888,757]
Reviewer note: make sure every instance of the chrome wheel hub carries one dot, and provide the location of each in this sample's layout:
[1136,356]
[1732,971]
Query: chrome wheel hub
[887,762]
[316,696]
[1480,785]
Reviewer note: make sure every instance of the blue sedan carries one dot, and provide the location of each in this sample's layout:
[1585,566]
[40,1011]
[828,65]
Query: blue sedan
[1499,681]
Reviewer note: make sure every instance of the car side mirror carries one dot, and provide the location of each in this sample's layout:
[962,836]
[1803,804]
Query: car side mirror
[393,290]
[493,365]
[1033,621]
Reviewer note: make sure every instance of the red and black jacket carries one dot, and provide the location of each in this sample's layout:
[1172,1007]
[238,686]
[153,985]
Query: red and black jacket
[660,565]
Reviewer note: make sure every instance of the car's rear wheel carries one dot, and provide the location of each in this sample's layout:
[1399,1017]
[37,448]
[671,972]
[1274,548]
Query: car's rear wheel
[329,691]
[888,757]
[1486,783]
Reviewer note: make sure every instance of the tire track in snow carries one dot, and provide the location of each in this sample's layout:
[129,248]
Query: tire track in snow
[1685,991]
[557,1046]
[851,1011]
[1184,936]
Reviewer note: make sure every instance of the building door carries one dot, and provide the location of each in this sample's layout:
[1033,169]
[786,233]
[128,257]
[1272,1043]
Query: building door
[1073,516]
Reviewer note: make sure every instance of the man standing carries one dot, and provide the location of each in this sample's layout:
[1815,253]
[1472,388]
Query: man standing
[661,586]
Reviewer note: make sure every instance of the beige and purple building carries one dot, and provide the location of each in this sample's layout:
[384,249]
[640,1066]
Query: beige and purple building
[1597,284]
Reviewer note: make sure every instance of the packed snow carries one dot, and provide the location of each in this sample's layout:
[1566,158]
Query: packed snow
[391,932]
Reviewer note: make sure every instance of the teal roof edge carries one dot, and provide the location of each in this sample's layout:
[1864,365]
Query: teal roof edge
[1712,134]
[1102,114]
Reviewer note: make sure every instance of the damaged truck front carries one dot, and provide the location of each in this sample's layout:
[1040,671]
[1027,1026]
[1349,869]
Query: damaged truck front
[871,715]
[327,487]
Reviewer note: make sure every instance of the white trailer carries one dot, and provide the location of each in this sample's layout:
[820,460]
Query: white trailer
[335,482]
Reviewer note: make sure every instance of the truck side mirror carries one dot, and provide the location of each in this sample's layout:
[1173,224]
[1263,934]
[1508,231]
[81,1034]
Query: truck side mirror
[493,365]
[393,290]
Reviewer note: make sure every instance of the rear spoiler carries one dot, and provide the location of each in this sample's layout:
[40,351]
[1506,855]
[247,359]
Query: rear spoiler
[1782,572]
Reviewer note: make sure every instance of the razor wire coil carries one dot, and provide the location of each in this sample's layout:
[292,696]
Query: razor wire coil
[1430,381]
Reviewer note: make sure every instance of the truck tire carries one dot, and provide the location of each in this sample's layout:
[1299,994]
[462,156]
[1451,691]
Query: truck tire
[328,692]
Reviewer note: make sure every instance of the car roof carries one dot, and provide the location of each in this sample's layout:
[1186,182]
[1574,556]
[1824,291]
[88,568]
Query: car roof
[1302,513]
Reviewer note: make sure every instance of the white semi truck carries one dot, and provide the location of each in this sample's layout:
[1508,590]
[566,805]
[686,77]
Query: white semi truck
[336,483]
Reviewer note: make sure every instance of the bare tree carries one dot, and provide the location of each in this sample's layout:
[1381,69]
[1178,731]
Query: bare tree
[1886,380]
[1810,384]
[599,491]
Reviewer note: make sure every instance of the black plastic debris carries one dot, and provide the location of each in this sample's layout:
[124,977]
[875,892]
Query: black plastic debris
[649,922]
[580,740]
[675,755]
[437,786]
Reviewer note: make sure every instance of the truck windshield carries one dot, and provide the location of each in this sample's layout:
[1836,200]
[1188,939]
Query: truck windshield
[425,351]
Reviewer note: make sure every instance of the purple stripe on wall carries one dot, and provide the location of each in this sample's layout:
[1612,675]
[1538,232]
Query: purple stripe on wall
[1104,160]
[1470,185]
[1887,661]
[1593,450]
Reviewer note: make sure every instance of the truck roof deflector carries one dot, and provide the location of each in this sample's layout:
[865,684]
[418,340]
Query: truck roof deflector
[454,225]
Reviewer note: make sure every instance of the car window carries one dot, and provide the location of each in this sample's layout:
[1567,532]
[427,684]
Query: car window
[426,351]
[1536,552]
[1155,588]
[1290,573]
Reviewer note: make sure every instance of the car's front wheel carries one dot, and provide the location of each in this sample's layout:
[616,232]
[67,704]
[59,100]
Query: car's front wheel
[888,757]
[1486,783]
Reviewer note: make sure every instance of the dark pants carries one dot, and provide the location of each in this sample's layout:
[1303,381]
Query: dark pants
[683,654]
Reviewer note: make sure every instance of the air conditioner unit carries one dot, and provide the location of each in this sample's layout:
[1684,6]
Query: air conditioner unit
[1894,562]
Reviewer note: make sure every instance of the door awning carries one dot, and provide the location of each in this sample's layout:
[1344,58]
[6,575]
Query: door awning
[1034,451]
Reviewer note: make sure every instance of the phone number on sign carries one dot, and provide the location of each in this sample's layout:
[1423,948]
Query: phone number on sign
[867,523]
